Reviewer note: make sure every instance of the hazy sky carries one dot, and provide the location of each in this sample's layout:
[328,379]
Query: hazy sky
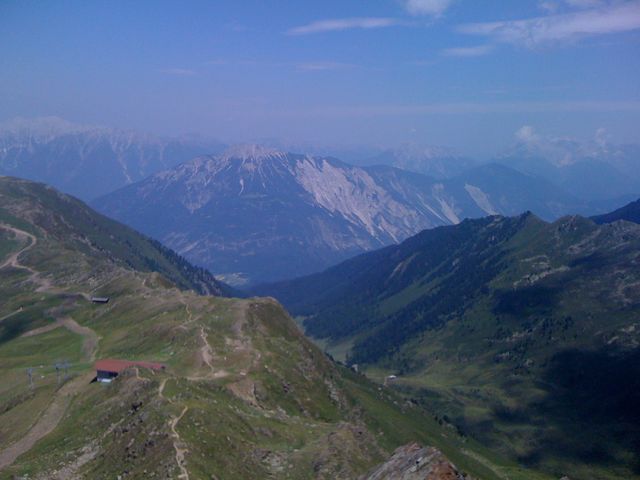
[461,73]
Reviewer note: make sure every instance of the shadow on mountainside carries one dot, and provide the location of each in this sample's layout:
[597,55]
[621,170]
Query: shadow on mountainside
[590,414]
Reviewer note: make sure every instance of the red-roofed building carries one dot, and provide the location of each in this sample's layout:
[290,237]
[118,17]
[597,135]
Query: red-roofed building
[108,369]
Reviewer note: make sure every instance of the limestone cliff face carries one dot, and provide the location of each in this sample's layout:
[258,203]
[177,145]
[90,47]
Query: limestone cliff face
[254,215]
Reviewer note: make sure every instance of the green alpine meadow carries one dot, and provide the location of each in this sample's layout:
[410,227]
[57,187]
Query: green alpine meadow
[320,240]
[523,334]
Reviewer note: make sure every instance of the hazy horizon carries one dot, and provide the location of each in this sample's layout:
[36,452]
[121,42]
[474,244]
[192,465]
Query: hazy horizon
[460,74]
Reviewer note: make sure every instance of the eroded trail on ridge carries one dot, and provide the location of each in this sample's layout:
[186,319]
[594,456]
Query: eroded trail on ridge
[44,284]
[178,444]
[13,261]
[207,356]
[53,413]
[90,337]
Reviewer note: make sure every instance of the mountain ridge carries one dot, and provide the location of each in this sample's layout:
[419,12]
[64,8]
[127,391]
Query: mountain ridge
[243,394]
[88,161]
[127,247]
[279,215]
[523,332]
[629,212]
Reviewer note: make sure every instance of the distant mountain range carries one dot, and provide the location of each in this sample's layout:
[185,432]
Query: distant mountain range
[88,161]
[255,214]
[592,170]
[437,162]
[525,333]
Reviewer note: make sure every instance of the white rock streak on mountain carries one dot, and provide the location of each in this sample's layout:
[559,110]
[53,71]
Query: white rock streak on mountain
[265,214]
[352,193]
[481,199]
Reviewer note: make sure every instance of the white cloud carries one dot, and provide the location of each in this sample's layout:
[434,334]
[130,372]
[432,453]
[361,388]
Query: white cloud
[476,51]
[616,18]
[183,72]
[527,134]
[562,150]
[427,7]
[602,137]
[554,6]
[339,24]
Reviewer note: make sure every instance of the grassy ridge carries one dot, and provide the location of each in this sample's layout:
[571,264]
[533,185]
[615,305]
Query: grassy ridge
[69,220]
[245,394]
[523,334]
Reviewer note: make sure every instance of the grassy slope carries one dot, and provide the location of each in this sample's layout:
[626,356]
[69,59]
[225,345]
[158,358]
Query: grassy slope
[539,361]
[630,213]
[248,395]
[78,225]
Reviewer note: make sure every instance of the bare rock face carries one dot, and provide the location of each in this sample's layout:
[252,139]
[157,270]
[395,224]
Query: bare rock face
[414,462]
[255,215]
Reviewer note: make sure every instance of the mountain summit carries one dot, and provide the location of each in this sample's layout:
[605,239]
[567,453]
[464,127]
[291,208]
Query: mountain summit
[257,214]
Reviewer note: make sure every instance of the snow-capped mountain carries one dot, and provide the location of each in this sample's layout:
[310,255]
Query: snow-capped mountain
[257,214]
[87,161]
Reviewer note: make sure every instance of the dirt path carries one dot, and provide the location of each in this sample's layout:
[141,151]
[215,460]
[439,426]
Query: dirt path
[239,317]
[12,261]
[62,398]
[206,351]
[41,330]
[9,315]
[54,412]
[243,343]
[47,421]
[163,383]
[90,338]
[177,444]
[44,284]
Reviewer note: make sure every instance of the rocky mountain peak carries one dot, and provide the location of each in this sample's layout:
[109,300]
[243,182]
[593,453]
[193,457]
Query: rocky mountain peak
[251,152]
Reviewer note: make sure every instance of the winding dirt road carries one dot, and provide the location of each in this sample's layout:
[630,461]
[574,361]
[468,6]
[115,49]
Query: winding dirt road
[52,415]
[44,284]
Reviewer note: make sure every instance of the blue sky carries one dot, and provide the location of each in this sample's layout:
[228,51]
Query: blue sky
[460,73]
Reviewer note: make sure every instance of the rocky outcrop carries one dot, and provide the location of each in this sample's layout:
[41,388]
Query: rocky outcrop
[414,462]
